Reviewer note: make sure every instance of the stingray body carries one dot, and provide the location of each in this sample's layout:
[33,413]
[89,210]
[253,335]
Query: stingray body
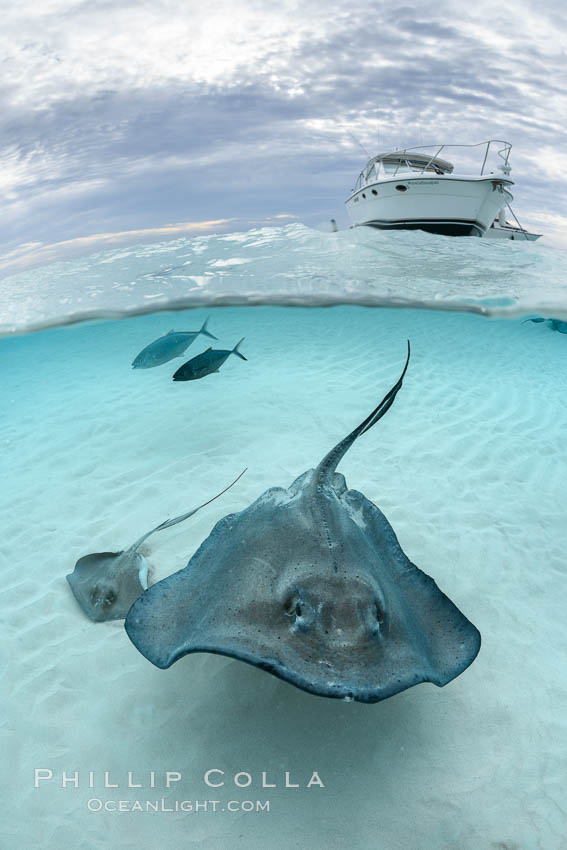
[173,344]
[106,584]
[310,584]
[206,363]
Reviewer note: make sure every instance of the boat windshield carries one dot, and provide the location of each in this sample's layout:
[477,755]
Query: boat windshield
[393,165]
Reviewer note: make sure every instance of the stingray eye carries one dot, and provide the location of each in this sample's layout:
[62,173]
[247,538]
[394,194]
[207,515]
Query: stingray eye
[110,598]
[293,607]
[379,614]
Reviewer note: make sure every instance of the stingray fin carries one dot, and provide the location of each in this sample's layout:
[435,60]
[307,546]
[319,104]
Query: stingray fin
[143,576]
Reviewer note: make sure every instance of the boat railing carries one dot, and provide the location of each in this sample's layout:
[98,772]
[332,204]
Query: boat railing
[405,153]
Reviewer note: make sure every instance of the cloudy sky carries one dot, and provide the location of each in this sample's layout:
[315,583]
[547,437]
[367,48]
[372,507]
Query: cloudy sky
[136,121]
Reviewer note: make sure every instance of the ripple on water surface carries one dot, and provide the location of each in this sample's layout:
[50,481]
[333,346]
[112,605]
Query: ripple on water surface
[293,265]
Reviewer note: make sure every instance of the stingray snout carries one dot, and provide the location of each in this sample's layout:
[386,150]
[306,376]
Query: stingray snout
[337,612]
[102,596]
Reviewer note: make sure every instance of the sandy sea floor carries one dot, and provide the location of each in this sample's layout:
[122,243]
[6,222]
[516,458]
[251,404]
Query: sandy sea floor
[470,468]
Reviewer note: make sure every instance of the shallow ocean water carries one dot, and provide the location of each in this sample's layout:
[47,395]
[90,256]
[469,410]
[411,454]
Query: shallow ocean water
[468,466]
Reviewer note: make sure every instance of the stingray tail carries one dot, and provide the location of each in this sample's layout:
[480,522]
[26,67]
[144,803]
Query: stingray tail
[237,352]
[327,467]
[169,522]
[204,330]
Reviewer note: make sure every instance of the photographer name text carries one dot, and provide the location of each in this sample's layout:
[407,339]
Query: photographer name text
[212,778]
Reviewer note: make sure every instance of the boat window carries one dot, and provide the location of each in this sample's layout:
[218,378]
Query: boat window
[374,192]
[391,167]
[401,188]
[397,166]
[420,166]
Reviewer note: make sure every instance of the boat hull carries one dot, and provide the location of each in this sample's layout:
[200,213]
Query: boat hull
[441,226]
[447,205]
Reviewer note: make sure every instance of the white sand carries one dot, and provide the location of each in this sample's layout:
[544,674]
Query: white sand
[470,468]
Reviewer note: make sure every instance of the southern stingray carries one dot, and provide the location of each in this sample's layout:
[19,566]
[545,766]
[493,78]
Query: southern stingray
[173,344]
[310,584]
[105,584]
[552,324]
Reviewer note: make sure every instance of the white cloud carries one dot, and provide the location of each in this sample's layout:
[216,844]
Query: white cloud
[58,50]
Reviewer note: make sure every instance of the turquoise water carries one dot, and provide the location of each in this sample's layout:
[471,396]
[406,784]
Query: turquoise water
[468,466]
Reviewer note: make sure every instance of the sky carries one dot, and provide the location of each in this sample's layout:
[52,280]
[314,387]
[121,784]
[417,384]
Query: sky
[142,121]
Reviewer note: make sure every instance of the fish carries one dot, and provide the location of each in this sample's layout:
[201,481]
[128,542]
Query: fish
[105,584]
[173,344]
[310,584]
[206,363]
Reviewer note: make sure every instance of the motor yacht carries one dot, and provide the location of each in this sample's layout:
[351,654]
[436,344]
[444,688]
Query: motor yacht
[419,189]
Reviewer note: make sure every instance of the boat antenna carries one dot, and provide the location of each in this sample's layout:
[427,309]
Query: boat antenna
[353,137]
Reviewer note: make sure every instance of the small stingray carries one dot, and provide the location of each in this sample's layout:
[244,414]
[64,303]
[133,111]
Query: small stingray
[310,584]
[204,364]
[552,324]
[106,584]
[173,344]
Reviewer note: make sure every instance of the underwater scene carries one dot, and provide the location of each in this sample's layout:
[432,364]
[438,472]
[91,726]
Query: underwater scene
[283,552]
